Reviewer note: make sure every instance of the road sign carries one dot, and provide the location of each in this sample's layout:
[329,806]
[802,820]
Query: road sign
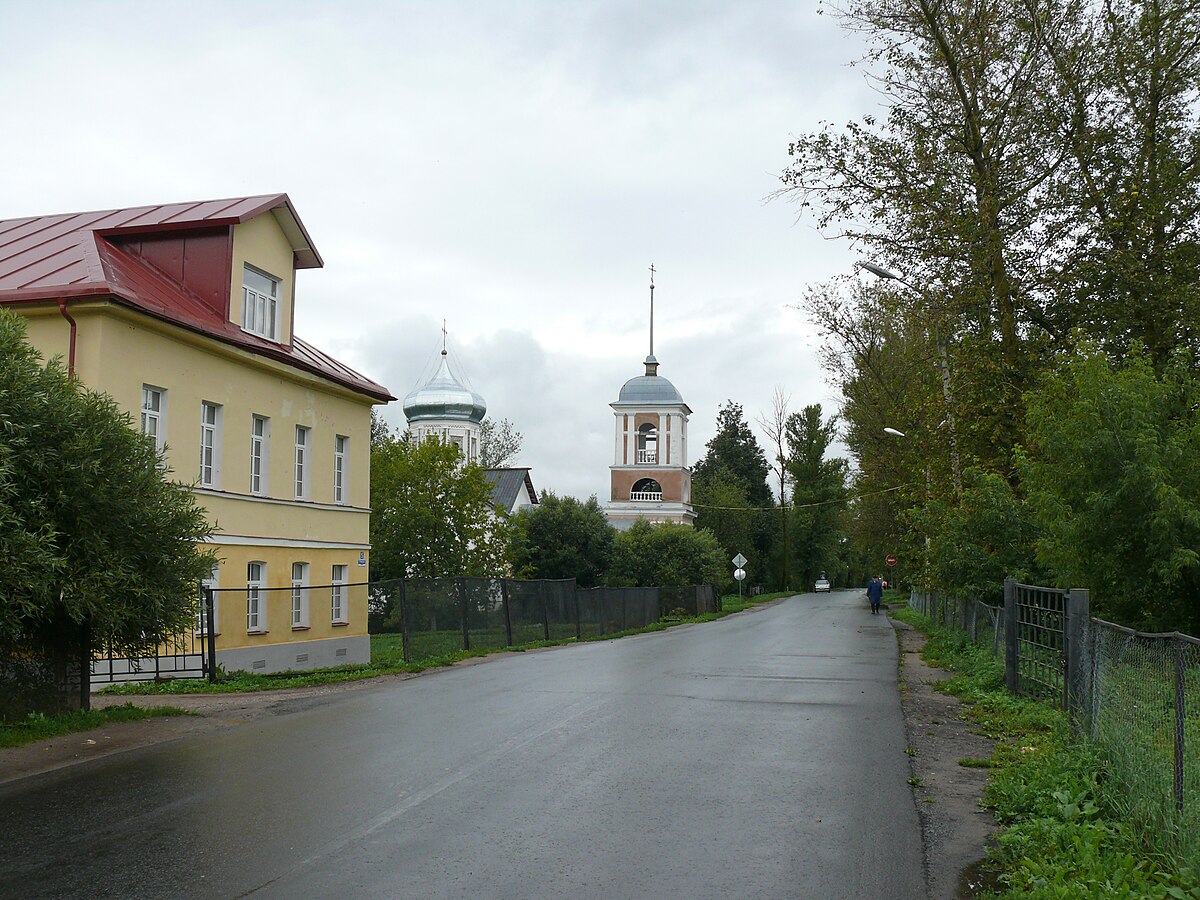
[891,560]
[739,560]
[740,574]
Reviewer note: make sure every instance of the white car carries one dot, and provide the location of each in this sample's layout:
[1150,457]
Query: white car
[821,585]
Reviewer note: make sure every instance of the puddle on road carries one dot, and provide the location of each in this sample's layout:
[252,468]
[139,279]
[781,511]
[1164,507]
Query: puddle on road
[975,879]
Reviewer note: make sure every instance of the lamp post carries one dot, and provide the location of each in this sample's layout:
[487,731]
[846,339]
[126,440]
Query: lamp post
[943,367]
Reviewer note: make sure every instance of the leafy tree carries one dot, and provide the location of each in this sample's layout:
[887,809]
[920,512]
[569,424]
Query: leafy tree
[96,542]
[563,538]
[431,515]
[818,494]
[723,508]
[977,543]
[499,443]
[730,491]
[648,555]
[1113,487]
[734,451]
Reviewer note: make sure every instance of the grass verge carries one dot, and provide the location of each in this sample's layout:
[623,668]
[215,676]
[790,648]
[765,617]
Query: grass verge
[387,658]
[1064,832]
[39,727]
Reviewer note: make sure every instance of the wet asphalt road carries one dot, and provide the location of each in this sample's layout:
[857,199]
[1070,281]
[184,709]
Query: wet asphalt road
[758,756]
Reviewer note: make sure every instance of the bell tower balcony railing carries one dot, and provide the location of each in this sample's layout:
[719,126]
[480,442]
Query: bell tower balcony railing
[647,456]
[645,495]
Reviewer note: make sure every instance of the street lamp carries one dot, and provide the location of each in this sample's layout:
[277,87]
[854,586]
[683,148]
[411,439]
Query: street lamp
[943,366]
[894,433]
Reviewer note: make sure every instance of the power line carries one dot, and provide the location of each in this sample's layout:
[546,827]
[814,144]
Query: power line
[803,505]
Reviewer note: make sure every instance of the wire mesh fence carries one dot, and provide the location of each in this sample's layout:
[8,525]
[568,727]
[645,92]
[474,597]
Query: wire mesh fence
[1134,696]
[1144,716]
[437,616]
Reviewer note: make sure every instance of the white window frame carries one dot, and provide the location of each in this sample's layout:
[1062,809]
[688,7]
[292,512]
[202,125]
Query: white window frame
[300,572]
[341,459]
[339,608]
[303,445]
[211,416]
[212,582]
[256,598]
[260,453]
[154,415]
[260,310]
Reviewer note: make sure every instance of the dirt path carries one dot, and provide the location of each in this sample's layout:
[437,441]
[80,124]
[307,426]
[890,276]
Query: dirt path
[954,828]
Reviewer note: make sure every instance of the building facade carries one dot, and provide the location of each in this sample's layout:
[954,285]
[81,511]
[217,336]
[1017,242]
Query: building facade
[184,314]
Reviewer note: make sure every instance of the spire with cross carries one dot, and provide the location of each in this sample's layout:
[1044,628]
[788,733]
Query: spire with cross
[651,309]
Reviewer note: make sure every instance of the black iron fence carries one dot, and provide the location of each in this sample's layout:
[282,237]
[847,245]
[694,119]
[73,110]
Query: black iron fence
[436,616]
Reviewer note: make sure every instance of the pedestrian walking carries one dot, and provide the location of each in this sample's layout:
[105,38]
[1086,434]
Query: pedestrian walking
[875,593]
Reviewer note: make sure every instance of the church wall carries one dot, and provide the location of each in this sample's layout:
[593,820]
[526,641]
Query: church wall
[676,485]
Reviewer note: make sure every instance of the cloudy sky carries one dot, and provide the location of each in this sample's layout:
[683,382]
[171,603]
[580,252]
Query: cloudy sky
[511,167]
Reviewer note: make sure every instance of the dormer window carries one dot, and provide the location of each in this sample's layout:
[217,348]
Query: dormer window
[260,304]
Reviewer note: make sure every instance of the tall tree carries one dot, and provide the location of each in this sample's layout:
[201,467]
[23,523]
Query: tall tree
[499,443]
[730,490]
[96,540]
[775,425]
[432,515]
[563,538]
[818,495]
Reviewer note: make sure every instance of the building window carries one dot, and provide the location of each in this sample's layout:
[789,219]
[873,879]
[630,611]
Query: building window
[303,436]
[209,583]
[260,303]
[210,445]
[260,438]
[256,613]
[154,415]
[339,614]
[341,444]
[300,595]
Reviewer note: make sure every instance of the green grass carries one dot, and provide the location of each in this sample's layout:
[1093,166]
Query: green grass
[1066,831]
[39,727]
[429,649]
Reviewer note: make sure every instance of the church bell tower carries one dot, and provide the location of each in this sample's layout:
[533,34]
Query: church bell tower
[649,476]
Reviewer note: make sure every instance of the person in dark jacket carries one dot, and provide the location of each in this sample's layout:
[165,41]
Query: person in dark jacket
[875,593]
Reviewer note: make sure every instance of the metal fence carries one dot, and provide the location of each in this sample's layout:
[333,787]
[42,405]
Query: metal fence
[1134,695]
[436,616]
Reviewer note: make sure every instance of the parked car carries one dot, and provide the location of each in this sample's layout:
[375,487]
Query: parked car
[821,585]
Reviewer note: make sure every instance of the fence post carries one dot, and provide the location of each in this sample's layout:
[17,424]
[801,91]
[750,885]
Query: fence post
[578,627]
[545,610]
[210,636]
[460,590]
[507,615]
[1012,678]
[404,625]
[1075,629]
[1179,721]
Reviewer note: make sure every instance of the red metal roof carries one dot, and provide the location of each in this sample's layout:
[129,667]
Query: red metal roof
[70,257]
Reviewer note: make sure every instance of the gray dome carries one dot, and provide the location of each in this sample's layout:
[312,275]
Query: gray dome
[649,390]
[443,397]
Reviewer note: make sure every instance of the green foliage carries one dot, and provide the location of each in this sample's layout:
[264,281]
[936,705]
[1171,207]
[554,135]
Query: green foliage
[91,533]
[735,455]
[648,555]
[978,542]
[562,538]
[818,496]
[431,515]
[499,443]
[722,507]
[1113,486]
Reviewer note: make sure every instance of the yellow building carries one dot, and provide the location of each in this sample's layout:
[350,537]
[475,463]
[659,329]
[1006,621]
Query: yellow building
[183,313]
